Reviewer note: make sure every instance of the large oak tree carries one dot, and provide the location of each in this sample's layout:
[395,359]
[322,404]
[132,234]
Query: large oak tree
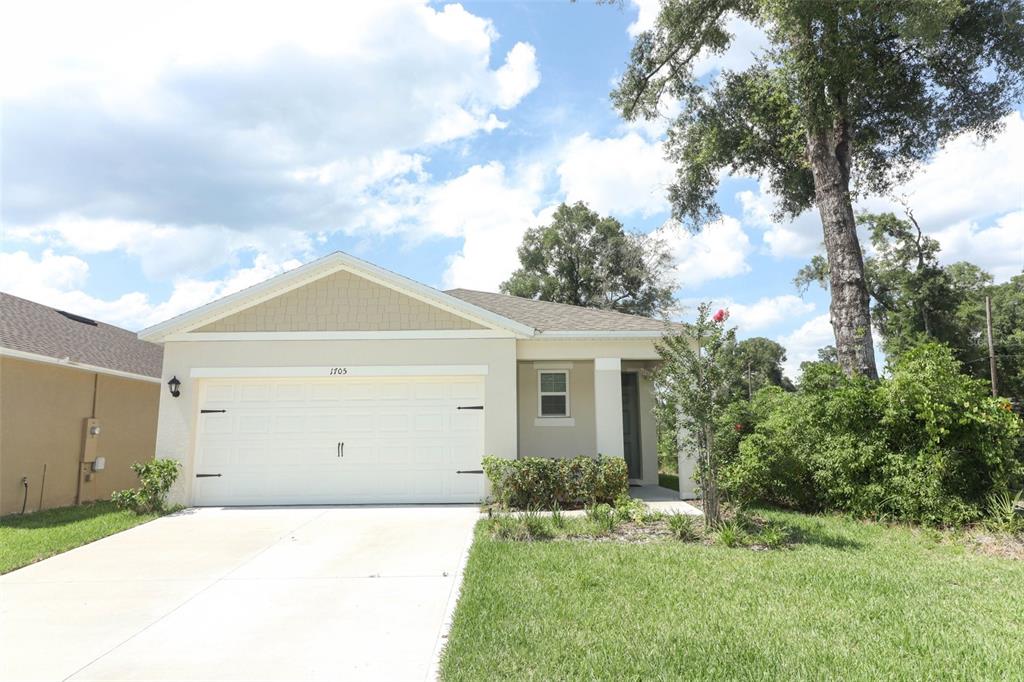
[850,96]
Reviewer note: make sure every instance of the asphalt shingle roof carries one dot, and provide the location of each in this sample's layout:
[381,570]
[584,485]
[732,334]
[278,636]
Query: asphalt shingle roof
[545,316]
[35,328]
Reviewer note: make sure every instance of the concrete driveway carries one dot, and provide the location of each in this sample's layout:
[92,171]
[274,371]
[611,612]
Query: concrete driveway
[299,593]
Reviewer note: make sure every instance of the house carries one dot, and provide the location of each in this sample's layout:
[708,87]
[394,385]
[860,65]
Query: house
[342,382]
[78,405]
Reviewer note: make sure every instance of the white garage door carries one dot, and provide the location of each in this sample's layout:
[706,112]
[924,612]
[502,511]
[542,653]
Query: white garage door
[345,440]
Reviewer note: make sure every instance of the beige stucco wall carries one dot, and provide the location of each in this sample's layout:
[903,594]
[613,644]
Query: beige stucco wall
[539,440]
[540,437]
[176,432]
[340,302]
[43,409]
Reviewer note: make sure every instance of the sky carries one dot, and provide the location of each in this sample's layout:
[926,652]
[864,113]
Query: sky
[157,156]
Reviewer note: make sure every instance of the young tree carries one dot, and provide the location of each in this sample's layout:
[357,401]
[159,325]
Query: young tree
[848,99]
[693,378]
[584,259]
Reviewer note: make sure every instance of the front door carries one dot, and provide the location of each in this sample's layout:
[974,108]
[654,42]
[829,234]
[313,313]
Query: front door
[631,423]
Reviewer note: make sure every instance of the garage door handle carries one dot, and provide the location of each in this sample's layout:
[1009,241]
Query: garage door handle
[210,411]
[208,475]
[470,407]
[341,449]
[470,471]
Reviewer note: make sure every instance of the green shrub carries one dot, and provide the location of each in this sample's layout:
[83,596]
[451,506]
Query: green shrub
[155,480]
[1005,512]
[537,483]
[521,527]
[731,534]
[927,444]
[602,517]
[684,527]
[772,536]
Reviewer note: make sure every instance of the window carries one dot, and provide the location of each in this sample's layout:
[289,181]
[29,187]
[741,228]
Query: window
[553,387]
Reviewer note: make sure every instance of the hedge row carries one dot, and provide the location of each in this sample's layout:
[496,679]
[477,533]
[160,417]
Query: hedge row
[537,483]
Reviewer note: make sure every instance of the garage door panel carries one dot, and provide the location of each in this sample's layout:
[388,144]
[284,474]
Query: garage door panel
[277,442]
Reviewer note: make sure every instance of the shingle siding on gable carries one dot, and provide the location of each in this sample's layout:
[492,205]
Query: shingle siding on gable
[340,302]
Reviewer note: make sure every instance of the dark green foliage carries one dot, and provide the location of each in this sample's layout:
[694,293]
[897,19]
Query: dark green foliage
[586,260]
[915,299]
[895,79]
[755,363]
[927,445]
[848,99]
[538,483]
[155,480]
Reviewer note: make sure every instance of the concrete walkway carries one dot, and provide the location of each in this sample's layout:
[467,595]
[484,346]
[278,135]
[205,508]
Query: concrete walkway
[300,593]
[664,500]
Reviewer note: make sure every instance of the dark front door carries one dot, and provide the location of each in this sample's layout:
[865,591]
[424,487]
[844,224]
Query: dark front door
[631,422]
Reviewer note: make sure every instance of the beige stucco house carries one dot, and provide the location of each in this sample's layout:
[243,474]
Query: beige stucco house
[78,405]
[342,382]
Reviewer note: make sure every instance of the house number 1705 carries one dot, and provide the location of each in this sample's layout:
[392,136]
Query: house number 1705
[337,371]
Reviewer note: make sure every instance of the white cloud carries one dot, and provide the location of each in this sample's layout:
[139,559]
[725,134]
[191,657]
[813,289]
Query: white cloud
[998,249]
[803,343]
[616,175]
[719,250]
[968,196]
[647,14]
[185,120]
[57,281]
[163,251]
[767,312]
[518,76]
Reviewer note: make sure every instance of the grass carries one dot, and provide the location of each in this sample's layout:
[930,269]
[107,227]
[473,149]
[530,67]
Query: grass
[25,539]
[851,600]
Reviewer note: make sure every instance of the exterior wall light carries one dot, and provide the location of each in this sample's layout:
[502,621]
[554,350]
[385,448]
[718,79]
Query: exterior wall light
[174,385]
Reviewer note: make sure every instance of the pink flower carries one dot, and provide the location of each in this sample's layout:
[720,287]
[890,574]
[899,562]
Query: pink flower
[721,316]
[738,427]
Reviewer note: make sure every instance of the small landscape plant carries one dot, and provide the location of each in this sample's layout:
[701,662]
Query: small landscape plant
[1005,512]
[602,517]
[155,480]
[684,527]
[731,533]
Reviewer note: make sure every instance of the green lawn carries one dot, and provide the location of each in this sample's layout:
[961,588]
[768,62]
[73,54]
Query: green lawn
[25,539]
[851,601]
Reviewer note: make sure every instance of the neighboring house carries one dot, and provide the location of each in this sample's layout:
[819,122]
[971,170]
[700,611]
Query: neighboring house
[78,405]
[342,382]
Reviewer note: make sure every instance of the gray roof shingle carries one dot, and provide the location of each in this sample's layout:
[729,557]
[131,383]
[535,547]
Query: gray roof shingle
[545,316]
[35,328]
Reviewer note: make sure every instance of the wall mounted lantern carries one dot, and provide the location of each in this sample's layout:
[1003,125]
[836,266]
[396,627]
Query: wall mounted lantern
[173,384]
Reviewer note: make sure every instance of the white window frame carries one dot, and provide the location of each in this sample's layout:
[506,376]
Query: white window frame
[541,393]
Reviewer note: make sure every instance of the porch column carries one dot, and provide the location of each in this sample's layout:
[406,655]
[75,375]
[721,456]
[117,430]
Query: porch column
[608,406]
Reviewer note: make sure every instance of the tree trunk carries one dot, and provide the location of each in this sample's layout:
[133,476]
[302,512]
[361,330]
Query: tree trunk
[828,153]
[709,486]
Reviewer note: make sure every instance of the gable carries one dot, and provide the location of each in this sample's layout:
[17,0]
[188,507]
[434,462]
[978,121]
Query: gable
[341,301]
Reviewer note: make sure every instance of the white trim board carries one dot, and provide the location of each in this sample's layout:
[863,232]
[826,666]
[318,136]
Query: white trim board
[71,364]
[310,272]
[343,336]
[337,373]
